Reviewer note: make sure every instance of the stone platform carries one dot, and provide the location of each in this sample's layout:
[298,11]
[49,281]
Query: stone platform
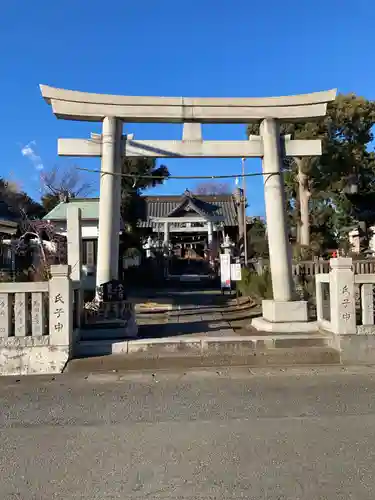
[190,352]
[263,325]
[189,335]
[285,317]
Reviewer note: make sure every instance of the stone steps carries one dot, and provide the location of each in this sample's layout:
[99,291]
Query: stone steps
[102,335]
[205,347]
[205,342]
[302,356]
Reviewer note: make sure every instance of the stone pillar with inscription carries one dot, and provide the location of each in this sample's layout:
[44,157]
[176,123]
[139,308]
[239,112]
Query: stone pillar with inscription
[60,307]
[342,297]
[5,314]
[115,316]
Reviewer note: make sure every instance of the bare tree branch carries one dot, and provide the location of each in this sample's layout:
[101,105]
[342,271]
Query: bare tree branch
[59,184]
[68,182]
[212,188]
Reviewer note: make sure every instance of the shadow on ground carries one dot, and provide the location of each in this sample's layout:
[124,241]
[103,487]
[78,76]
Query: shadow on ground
[203,312]
[177,329]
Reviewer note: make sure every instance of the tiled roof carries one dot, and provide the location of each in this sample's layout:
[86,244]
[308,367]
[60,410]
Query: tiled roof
[189,203]
[162,206]
[155,206]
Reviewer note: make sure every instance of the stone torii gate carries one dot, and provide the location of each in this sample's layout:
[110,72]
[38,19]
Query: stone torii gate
[281,313]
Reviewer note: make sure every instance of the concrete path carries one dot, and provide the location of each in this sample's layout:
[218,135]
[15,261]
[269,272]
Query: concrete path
[276,435]
[198,313]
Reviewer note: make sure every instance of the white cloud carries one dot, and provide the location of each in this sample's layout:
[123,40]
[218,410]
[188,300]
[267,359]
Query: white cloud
[29,152]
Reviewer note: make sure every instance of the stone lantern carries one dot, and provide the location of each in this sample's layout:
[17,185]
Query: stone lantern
[351,186]
[228,245]
[148,247]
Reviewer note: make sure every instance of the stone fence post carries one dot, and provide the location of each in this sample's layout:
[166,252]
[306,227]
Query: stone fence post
[342,296]
[60,306]
[74,237]
[367,300]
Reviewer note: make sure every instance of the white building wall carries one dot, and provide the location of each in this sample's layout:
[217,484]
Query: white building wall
[89,228]
[354,240]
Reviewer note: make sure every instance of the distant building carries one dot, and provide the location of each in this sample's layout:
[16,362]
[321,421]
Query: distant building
[186,222]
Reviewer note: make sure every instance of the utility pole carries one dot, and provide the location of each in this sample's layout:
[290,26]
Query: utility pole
[244,209]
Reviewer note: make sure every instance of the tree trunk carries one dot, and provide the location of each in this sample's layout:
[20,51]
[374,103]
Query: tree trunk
[298,232]
[304,196]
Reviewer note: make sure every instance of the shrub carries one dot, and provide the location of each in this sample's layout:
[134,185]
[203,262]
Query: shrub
[305,288]
[256,286]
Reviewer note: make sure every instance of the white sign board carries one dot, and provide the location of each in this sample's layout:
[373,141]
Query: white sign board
[235,272]
[225,270]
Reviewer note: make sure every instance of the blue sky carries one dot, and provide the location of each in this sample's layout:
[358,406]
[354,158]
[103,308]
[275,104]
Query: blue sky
[198,48]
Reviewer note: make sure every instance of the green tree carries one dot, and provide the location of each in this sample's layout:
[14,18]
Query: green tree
[19,203]
[133,184]
[316,187]
[257,239]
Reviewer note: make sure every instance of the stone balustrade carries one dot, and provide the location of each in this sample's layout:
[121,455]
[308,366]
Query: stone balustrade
[311,268]
[344,299]
[37,324]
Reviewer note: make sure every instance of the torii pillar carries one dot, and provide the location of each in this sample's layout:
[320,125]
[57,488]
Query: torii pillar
[109,202]
[277,226]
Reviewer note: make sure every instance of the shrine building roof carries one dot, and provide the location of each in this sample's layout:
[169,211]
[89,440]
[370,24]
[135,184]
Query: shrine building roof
[159,206]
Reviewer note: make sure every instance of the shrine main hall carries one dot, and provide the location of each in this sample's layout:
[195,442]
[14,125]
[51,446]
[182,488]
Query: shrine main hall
[182,223]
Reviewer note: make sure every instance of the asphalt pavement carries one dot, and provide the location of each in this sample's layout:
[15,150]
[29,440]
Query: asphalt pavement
[235,433]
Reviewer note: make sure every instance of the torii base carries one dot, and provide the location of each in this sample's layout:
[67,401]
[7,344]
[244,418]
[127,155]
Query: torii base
[284,317]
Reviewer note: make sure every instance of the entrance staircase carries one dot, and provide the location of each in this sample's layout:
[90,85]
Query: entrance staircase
[190,336]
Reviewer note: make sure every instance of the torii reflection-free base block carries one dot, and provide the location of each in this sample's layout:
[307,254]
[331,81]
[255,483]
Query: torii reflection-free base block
[281,311]
[284,317]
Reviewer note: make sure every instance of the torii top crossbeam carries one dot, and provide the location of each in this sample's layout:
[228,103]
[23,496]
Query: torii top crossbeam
[87,106]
